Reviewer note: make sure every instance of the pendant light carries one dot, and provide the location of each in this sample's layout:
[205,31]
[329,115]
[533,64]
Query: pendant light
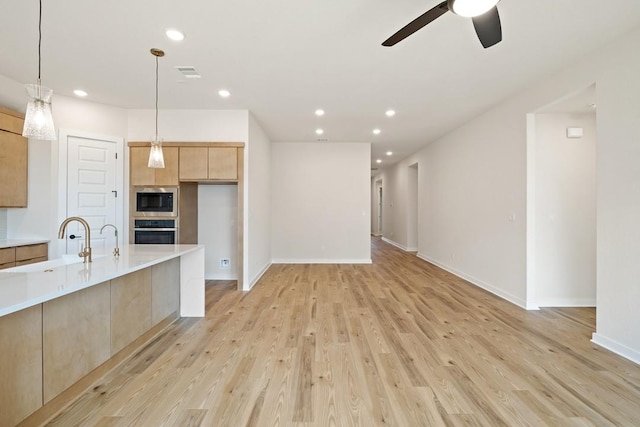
[38,121]
[156,158]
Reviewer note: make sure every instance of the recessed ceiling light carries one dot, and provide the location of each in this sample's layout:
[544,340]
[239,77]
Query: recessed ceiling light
[79,92]
[319,131]
[379,161]
[224,93]
[389,153]
[376,131]
[390,113]
[319,112]
[174,34]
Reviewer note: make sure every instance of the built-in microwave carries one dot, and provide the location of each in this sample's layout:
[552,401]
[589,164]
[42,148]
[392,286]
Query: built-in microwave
[155,201]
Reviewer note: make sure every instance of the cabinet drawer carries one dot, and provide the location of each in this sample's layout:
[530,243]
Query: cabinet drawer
[7,265]
[31,261]
[7,255]
[24,253]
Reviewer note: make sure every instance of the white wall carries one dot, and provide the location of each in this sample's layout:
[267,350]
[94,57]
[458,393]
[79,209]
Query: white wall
[258,240]
[217,226]
[321,202]
[473,191]
[565,211]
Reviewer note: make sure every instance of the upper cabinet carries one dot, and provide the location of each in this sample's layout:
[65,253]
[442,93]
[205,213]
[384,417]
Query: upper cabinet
[208,164]
[141,174]
[13,160]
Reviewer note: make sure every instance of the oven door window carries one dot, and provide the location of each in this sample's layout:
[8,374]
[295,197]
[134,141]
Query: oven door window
[154,237]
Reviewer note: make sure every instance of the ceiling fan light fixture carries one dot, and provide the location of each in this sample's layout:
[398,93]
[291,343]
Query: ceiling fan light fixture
[471,8]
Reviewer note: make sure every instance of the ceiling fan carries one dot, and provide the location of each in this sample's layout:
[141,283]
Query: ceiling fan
[483,13]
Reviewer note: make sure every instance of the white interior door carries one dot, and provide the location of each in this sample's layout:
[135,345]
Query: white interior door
[93,190]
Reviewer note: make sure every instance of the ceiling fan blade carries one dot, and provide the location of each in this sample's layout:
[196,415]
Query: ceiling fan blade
[417,23]
[488,28]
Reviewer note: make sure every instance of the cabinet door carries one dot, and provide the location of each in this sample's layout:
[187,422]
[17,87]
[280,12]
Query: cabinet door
[193,163]
[13,170]
[168,176]
[223,163]
[20,364]
[141,174]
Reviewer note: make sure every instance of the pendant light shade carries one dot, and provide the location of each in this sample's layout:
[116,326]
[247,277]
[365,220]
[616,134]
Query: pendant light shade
[38,120]
[156,157]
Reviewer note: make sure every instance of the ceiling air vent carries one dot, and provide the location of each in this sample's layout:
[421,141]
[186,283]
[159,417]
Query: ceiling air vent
[188,71]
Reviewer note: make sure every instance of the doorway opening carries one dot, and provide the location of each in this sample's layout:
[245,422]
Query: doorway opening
[561,203]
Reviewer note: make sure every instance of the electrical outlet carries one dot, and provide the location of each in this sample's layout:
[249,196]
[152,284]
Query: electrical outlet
[225,263]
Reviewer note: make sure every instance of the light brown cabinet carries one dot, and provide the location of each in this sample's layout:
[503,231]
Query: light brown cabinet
[20,364]
[208,164]
[76,334]
[141,174]
[13,161]
[22,255]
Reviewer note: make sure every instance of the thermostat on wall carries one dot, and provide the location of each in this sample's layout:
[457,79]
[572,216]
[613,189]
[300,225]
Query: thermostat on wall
[575,132]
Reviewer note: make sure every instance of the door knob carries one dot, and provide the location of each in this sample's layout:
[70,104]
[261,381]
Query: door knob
[73,236]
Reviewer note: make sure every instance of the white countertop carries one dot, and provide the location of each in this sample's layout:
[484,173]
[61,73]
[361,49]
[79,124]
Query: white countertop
[29,285]
[8,243]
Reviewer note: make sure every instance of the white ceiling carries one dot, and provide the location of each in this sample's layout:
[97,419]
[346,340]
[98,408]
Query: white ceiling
[282,59]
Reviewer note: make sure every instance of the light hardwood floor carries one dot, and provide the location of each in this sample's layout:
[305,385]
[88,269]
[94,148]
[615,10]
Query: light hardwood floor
[399,342]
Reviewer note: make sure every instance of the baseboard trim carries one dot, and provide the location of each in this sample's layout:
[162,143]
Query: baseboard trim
[566,302]
[258,276]
[222,277]
[322,261]
[616,347]
[399,245]
[477,282]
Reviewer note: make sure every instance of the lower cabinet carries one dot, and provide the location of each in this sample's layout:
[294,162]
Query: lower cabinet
[20,364]
[21,255]
[76,337]
[47,348]
[130,308]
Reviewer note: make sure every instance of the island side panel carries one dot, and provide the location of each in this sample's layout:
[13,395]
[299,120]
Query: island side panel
[165,290]
[76,337]
[20,364]
[192,284]
[130,308]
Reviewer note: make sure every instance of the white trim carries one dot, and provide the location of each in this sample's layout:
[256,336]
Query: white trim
[399,246]
[219,276]
[616,347]
[567,302]
[257,277]
[479,283]
[322,261]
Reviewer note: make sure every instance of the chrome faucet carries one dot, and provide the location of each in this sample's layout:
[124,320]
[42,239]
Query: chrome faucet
[116,251]
[86,251]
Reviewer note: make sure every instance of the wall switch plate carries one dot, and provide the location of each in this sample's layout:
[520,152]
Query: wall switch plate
[225,263]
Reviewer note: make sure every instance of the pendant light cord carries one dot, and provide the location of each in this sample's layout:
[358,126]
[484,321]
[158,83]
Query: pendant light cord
[39,38]
[156,99]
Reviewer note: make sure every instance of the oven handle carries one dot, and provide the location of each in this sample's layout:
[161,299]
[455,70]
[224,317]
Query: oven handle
[155,229]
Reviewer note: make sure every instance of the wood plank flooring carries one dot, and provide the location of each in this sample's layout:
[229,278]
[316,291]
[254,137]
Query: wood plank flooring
[399,343]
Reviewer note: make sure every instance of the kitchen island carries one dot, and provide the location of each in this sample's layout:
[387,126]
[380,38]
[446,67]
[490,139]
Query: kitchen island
[64,323]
